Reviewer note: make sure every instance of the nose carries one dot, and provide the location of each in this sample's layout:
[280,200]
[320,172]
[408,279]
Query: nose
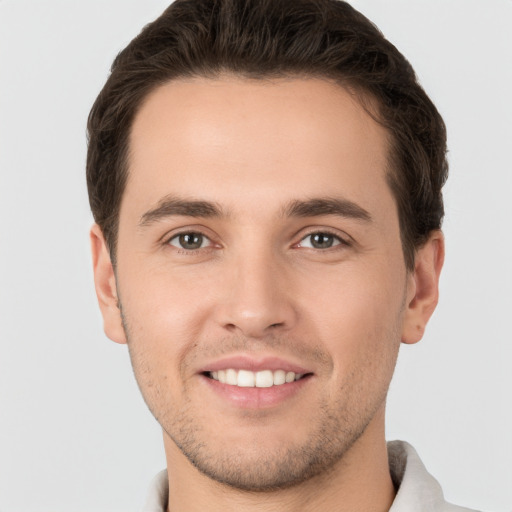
[258,297]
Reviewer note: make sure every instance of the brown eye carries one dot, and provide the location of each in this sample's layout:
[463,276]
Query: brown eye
[189,241]
[320,241]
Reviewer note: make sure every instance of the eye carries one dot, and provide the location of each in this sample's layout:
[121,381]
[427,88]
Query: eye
[189,241]
[320,240]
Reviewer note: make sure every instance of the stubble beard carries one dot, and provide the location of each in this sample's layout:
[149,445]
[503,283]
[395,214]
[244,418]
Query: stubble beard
[338,426]
[255,469]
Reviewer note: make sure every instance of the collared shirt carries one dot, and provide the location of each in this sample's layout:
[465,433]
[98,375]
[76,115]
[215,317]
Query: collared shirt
[418,491]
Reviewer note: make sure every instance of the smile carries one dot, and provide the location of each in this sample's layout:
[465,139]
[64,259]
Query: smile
[249,379]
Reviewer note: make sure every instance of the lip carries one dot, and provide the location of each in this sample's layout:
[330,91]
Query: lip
[255,398]
[254,364]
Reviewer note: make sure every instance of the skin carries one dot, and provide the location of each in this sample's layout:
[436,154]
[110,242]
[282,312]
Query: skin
[259,287]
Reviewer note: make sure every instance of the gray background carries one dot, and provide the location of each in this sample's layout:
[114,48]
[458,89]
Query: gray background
[74,433]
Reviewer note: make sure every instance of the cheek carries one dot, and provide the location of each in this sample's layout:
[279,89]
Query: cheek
[167,312]
[163,300]
[358,319]
[159,337]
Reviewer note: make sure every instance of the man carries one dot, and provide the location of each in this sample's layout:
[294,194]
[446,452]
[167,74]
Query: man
[265,177]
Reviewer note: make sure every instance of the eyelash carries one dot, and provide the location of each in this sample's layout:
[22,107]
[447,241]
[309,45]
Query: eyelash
[338,241]
[183,250]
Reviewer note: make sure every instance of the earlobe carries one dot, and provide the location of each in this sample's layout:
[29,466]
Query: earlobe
[423,287]
[105,284]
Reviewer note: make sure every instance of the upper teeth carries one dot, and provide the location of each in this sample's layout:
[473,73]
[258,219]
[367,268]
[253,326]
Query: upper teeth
[248,379]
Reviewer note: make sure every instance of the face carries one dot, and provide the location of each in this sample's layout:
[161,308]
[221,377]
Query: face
[260,275]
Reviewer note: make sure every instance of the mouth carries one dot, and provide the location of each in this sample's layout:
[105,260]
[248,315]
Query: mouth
[259,379]
[256,381]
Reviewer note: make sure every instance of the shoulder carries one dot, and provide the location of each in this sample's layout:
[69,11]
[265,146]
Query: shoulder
[417,489]
[156,500]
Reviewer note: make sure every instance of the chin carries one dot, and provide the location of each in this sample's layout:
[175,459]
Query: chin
[267,463]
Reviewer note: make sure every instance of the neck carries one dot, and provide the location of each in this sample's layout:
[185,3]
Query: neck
[359,482]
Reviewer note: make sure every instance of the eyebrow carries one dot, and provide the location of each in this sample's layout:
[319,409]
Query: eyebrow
[314,207]
[317,207]
[170,206]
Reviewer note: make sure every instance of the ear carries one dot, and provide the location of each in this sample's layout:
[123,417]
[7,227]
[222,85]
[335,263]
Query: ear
[105,284]
[423,287]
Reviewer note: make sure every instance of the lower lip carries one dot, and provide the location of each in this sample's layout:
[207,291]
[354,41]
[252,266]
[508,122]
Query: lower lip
[257,398]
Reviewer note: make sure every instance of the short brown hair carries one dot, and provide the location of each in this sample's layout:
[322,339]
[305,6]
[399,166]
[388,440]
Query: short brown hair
[274,38]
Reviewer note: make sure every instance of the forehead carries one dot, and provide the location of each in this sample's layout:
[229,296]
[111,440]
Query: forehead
[232,140]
